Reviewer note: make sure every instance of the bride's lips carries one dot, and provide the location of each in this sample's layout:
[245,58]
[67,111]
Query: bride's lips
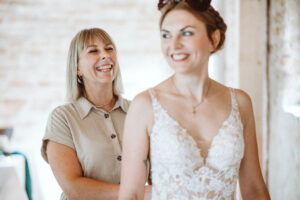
[179,57]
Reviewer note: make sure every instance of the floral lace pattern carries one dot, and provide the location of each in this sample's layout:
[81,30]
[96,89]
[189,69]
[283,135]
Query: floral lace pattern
[179,172]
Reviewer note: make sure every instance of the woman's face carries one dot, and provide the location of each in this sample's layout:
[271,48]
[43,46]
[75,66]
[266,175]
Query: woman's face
[97,63]
[184,41]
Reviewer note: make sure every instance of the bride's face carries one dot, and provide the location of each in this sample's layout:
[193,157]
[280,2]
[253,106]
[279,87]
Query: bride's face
[184,41]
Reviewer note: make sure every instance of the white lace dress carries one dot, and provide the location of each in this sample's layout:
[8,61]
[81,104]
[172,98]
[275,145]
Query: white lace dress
[179,172]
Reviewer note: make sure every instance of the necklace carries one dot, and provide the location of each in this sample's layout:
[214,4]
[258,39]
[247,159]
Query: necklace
[103,105]
[194,107]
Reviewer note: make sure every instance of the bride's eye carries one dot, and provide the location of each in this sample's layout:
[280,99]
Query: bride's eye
[165,35]
[187,33]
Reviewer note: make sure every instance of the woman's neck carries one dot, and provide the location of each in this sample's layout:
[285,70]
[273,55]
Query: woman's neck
[100,95]
[195,86]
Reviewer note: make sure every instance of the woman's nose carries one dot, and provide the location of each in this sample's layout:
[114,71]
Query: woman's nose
[104,56]
[176,43]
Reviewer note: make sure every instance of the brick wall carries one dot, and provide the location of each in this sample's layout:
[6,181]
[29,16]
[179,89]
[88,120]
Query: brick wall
[34,39]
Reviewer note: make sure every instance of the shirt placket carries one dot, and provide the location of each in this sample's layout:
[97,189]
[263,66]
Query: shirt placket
[112,134]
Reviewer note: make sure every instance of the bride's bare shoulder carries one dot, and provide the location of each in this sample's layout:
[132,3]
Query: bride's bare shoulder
[243,98]
[245,105]
[142,99]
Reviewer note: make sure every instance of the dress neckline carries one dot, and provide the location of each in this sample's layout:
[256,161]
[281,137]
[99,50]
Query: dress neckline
[186,132]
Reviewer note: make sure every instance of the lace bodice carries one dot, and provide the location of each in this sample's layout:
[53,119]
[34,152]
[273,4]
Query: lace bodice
[179,172]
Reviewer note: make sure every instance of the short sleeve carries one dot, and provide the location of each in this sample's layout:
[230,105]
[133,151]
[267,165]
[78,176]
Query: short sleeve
[57,130]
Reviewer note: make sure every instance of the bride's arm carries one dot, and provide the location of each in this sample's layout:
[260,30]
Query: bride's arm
[250,177]
[136,148]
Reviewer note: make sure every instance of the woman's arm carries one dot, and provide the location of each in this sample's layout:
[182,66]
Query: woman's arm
[136,148]
[68,173]
[250,177]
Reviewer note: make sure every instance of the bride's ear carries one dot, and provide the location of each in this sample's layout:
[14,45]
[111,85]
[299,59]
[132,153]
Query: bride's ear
[216,37]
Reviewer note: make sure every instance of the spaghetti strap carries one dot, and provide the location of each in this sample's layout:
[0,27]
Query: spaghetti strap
[152,93]
[155,103]
[234,103]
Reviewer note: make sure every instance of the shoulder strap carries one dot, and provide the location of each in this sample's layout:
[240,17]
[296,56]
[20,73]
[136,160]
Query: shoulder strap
[154,99]
[234,103]
[152,94]
[155,103]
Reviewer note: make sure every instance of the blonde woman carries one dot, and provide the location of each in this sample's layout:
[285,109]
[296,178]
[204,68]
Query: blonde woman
[83,139]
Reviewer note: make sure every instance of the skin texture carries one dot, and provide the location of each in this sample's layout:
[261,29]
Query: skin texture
[187,49]
[99,91]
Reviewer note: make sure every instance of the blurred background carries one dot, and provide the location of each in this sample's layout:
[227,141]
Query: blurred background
[261,56]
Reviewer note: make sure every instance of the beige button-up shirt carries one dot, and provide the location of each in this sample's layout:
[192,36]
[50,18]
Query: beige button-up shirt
[95,135]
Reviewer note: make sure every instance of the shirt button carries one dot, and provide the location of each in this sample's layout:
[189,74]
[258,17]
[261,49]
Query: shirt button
[113,136]
[106,115]
[119,158]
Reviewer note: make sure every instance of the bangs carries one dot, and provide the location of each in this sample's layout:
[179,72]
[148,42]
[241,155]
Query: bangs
[88,36]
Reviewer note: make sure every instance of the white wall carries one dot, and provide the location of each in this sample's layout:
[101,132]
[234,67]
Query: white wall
[284,88]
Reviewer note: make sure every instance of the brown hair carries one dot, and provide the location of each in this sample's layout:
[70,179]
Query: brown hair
[210,17]
[75,87]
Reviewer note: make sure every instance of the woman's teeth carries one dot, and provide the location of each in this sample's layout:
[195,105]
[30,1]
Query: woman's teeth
[104,68]
[179,57]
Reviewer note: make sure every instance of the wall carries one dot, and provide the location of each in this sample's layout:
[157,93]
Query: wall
[34,39]
[252,60]
[284,89]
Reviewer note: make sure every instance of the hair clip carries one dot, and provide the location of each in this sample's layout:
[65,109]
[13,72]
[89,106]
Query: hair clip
[200,5]
[162,3]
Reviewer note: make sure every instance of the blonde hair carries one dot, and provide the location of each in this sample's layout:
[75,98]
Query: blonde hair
[75,86]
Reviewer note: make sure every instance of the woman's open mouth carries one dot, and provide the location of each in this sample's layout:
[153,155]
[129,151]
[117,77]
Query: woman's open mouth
[104,68]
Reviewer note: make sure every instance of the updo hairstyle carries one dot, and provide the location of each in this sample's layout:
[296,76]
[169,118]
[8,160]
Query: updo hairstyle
[200,9]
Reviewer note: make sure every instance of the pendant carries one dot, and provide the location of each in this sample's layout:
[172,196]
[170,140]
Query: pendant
[194,110]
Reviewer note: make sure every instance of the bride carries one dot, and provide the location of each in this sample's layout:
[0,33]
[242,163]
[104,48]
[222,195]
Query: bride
[198,134]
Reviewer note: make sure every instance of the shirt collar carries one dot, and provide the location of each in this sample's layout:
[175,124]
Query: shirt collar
[83,106]
[122,103]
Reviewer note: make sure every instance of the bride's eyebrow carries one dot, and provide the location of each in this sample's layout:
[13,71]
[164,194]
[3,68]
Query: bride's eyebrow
[182,29]
[186,27]
[164,30]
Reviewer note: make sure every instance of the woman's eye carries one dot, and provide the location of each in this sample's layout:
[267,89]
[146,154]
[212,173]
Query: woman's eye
[93,51]
[109,49]
[166,36]
[187,33]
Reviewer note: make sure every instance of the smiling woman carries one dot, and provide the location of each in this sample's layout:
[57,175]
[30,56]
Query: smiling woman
[83,139]
[94,69]
[90,51]
[198,133]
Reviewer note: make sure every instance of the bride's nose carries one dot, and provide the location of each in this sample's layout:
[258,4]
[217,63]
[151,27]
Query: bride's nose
[176,42]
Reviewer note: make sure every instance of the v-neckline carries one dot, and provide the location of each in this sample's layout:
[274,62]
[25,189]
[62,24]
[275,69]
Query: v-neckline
[186,132]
